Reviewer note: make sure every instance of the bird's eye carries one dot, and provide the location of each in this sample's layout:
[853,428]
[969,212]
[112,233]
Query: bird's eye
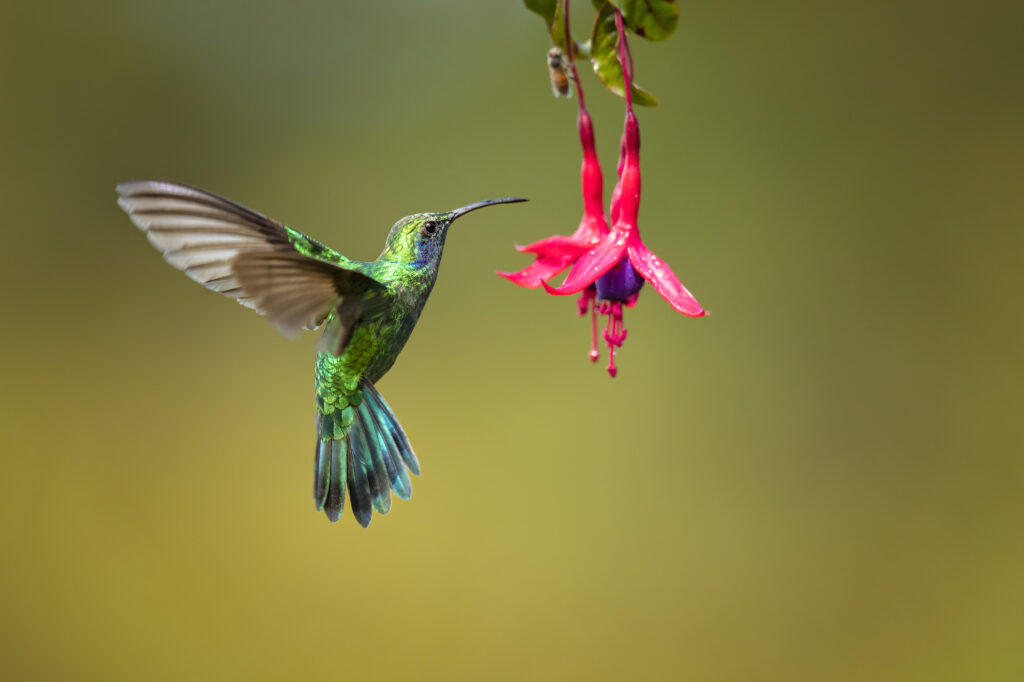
[430,227]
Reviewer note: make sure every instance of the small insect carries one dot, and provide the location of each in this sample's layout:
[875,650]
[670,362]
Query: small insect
[560,83]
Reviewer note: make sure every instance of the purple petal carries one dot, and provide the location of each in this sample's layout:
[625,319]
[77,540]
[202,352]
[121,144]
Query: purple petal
[620,283]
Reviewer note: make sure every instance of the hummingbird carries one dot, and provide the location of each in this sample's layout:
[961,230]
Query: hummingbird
[367,311]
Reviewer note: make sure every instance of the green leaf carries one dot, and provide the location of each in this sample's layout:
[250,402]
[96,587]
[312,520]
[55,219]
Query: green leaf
[651,19]
[558,28]
[552,13]
[605,58]
[545,8]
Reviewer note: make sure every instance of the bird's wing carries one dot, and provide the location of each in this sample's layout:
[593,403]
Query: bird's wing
[277,271]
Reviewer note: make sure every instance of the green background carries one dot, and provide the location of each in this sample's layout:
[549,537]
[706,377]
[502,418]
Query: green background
[820,481]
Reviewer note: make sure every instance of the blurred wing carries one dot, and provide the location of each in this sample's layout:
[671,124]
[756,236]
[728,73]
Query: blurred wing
[244,255]
[297,292]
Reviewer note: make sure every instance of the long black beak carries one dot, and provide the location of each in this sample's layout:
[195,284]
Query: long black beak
[480,204]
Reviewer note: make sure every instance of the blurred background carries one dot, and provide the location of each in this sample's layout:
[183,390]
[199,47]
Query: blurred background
[820,481]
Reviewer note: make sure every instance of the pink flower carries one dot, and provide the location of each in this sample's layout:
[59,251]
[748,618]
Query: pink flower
[609,267]
[620,263]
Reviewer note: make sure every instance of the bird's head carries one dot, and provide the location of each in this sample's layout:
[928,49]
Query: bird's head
[419,238]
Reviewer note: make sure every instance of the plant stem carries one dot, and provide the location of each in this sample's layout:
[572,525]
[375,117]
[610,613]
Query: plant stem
[571,46]
[625,59]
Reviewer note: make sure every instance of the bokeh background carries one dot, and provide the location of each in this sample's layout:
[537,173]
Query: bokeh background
[820,481]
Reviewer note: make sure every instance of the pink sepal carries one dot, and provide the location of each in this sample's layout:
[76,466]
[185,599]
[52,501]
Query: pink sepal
[536,272]
[661,277]
[592,265]
[555,247]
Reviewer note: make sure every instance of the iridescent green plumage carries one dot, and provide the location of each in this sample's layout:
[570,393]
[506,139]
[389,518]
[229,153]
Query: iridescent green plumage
[367,309]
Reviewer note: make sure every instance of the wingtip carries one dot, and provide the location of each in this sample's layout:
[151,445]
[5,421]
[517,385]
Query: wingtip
[130,187]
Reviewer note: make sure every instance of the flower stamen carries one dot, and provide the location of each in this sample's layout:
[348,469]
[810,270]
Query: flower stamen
[583,302]
[614,332]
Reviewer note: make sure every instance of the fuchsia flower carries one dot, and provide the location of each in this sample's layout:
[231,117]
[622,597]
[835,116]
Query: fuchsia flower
[609,267]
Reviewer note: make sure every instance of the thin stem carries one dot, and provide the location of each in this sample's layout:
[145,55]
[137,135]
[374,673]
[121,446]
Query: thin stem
[572,56]
[625,59]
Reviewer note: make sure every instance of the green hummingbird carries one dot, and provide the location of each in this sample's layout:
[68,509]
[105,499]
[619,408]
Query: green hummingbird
[367,310]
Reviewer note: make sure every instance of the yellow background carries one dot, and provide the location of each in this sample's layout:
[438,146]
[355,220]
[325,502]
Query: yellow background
[820,481]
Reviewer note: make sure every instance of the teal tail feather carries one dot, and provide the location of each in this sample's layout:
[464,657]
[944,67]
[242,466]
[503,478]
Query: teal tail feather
[363,448]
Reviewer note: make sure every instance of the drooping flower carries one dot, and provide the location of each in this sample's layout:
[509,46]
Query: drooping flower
[620,263]
[610,271]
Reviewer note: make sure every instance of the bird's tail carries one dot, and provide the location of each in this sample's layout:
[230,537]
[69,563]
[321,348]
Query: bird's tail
[362,447]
